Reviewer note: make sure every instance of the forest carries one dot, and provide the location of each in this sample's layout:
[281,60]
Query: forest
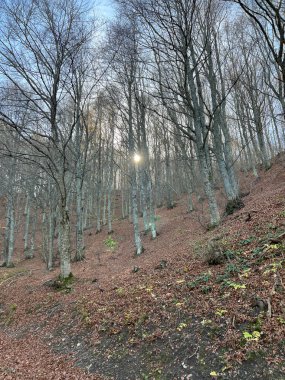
[142,189]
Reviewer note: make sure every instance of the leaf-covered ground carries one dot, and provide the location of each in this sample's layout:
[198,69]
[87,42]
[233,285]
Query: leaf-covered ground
[165,315]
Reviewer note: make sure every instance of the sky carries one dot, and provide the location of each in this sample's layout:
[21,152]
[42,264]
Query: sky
[105,8]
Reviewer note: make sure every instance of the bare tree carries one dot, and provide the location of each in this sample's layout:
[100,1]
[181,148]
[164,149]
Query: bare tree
[269,18]
[39,42]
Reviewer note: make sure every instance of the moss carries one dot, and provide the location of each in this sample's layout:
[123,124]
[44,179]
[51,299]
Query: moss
[10,314]
[212,226]
[62,283]
[215,252]
[234,205]
[257,324]
[67,280]
[254,355]
[10,265]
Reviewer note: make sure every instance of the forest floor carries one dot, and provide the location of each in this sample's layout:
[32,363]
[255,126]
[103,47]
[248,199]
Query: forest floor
[167,314]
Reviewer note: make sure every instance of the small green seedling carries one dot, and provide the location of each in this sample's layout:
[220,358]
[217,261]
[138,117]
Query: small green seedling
[181,326]
[110,243]
[220,312]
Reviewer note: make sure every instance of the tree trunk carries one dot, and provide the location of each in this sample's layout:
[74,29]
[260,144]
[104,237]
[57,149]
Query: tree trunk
[65,266]
[135,211]
[79,255]
[27,250]
[33,232]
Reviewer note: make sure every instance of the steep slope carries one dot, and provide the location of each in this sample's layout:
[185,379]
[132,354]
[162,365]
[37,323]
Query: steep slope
[168,314]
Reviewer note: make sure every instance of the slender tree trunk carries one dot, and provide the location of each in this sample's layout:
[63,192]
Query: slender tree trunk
[27,250]
[99,181]
[79,255]
[279,144]
[33,232]
[143,192]
[11,243]
[6,236]
[104,212]
[201,143]
[45,242]
[231,189]
[135,211]
[209,189]
[65,266]
[111,181]
[168,188]
[50,257]
[133,174]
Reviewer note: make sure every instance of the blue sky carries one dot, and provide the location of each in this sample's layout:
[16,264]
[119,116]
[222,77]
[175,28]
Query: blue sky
[105,8]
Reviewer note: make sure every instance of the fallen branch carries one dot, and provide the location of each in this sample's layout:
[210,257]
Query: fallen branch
[195,352]
[14,277]
[234,322]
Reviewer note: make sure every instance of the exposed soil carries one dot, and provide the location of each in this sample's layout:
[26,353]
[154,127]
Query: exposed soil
[167,314]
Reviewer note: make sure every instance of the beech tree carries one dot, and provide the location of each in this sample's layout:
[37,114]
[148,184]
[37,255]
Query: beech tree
[38,45]
[125,65]
[182,39]
[268,17]
[194,93]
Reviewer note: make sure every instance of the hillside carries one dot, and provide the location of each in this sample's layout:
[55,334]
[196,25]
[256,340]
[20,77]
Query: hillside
[168,314]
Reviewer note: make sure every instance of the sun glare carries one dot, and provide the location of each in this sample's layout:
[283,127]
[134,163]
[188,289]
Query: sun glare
[137,158]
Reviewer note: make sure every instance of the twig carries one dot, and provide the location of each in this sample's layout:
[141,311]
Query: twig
[269,308]
[234,322]
[195,352]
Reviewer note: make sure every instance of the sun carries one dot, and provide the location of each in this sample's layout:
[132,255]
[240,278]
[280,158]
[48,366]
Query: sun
[137,158]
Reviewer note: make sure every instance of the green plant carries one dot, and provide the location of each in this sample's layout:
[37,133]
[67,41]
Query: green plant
[281,320]
[84,314]
[221,312]
[230,254]
[181,326]
[110,243]
[206,289]
[247,241]
[222,278]
[254,336]
[271,226]
[274,267]
[203,278]
[232,269]
[257,324]
[206,322]
[235,285]
[245,272]
[256,252]
[120,292]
